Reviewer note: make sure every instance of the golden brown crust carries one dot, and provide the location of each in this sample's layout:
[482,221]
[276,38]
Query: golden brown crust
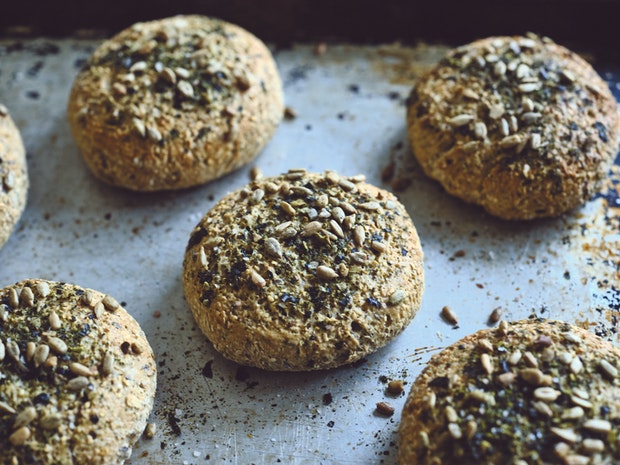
[519,125]
[304,271]
[13,175]
[174,103]
[528,392]
[78,376]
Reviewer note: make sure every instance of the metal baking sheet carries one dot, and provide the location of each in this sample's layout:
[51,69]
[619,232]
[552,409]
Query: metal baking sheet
[349,105]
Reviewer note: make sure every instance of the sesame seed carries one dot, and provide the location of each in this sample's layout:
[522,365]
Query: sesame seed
[470,94]
[326,272]
[431,400]
[608,369]
[597,426]
[168,75]
[285,188]
[504,127]
[258,195]
[271,187]
[565,357]
[546,394]
[573,413]
[119,89]
[566,74]
[531,117]
[273,247]
[499,69]
[424,438]
[357,178]
[593,446]
[182,72]
[482,397]
[535,140]
[349,222]
[566,434]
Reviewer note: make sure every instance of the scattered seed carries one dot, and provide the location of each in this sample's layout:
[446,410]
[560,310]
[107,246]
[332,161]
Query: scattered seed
[110,303]
[385,408]
[562,449]
[486,346]
[326,272]
[54,321]
[20,436]
[25,417]
[495,315]
[150,430]
[396,387]
[597,426]
[448,315]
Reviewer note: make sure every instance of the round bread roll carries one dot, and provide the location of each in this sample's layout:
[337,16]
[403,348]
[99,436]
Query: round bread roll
[174,103]
[519,125]
[77,376]
[13,175]
[303,271]
[529,392]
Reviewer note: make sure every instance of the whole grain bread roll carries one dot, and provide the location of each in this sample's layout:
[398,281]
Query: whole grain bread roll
[13,175]
[304,271]
[519,125]
[77,376]
[528,392]
[174,103]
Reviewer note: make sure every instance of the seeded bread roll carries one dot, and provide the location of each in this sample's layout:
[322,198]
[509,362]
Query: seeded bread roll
[174,103]
[529,392]
[303,271]
[13,175]
[519,125]
[77,376]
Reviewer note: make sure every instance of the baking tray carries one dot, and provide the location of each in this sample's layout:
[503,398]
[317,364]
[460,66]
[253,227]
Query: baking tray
[349,103]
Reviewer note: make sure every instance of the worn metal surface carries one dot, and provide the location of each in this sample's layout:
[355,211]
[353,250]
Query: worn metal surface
[350,117]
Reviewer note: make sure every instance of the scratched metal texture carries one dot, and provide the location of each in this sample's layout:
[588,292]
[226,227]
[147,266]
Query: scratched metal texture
[349,103]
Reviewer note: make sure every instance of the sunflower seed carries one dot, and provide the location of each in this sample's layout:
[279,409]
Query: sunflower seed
[485,345]
[348,208]
[487,363]
[43,289]
[542,408]
[168,75]
[379,247]
[185,88]
[371,206]
[77,384]
[338,214]
[592,446]
[54,321]
[50,422]
[531,376]
[455,431]
[359,257]
[326,272]
[504,127]
[4,407]
[153,134]
[566,74]
[581,402]
[496,111]
[528,87]
[573,413]
[27,296]
[359,236]
[301,191]
[311,229]
[139,126]
[110,303]
[530,359]
[346,185]
[448,315]
[531,117]
[57,345]
[30,348]
[107,365]
[335,227]
[40,355]
[25,417]
[535,140]
[480,130]
[257,279]
[80,370]
[87,298]
[98,310]
[576,365]
[12,350]
[499,69]
[608,369]
[20,436]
